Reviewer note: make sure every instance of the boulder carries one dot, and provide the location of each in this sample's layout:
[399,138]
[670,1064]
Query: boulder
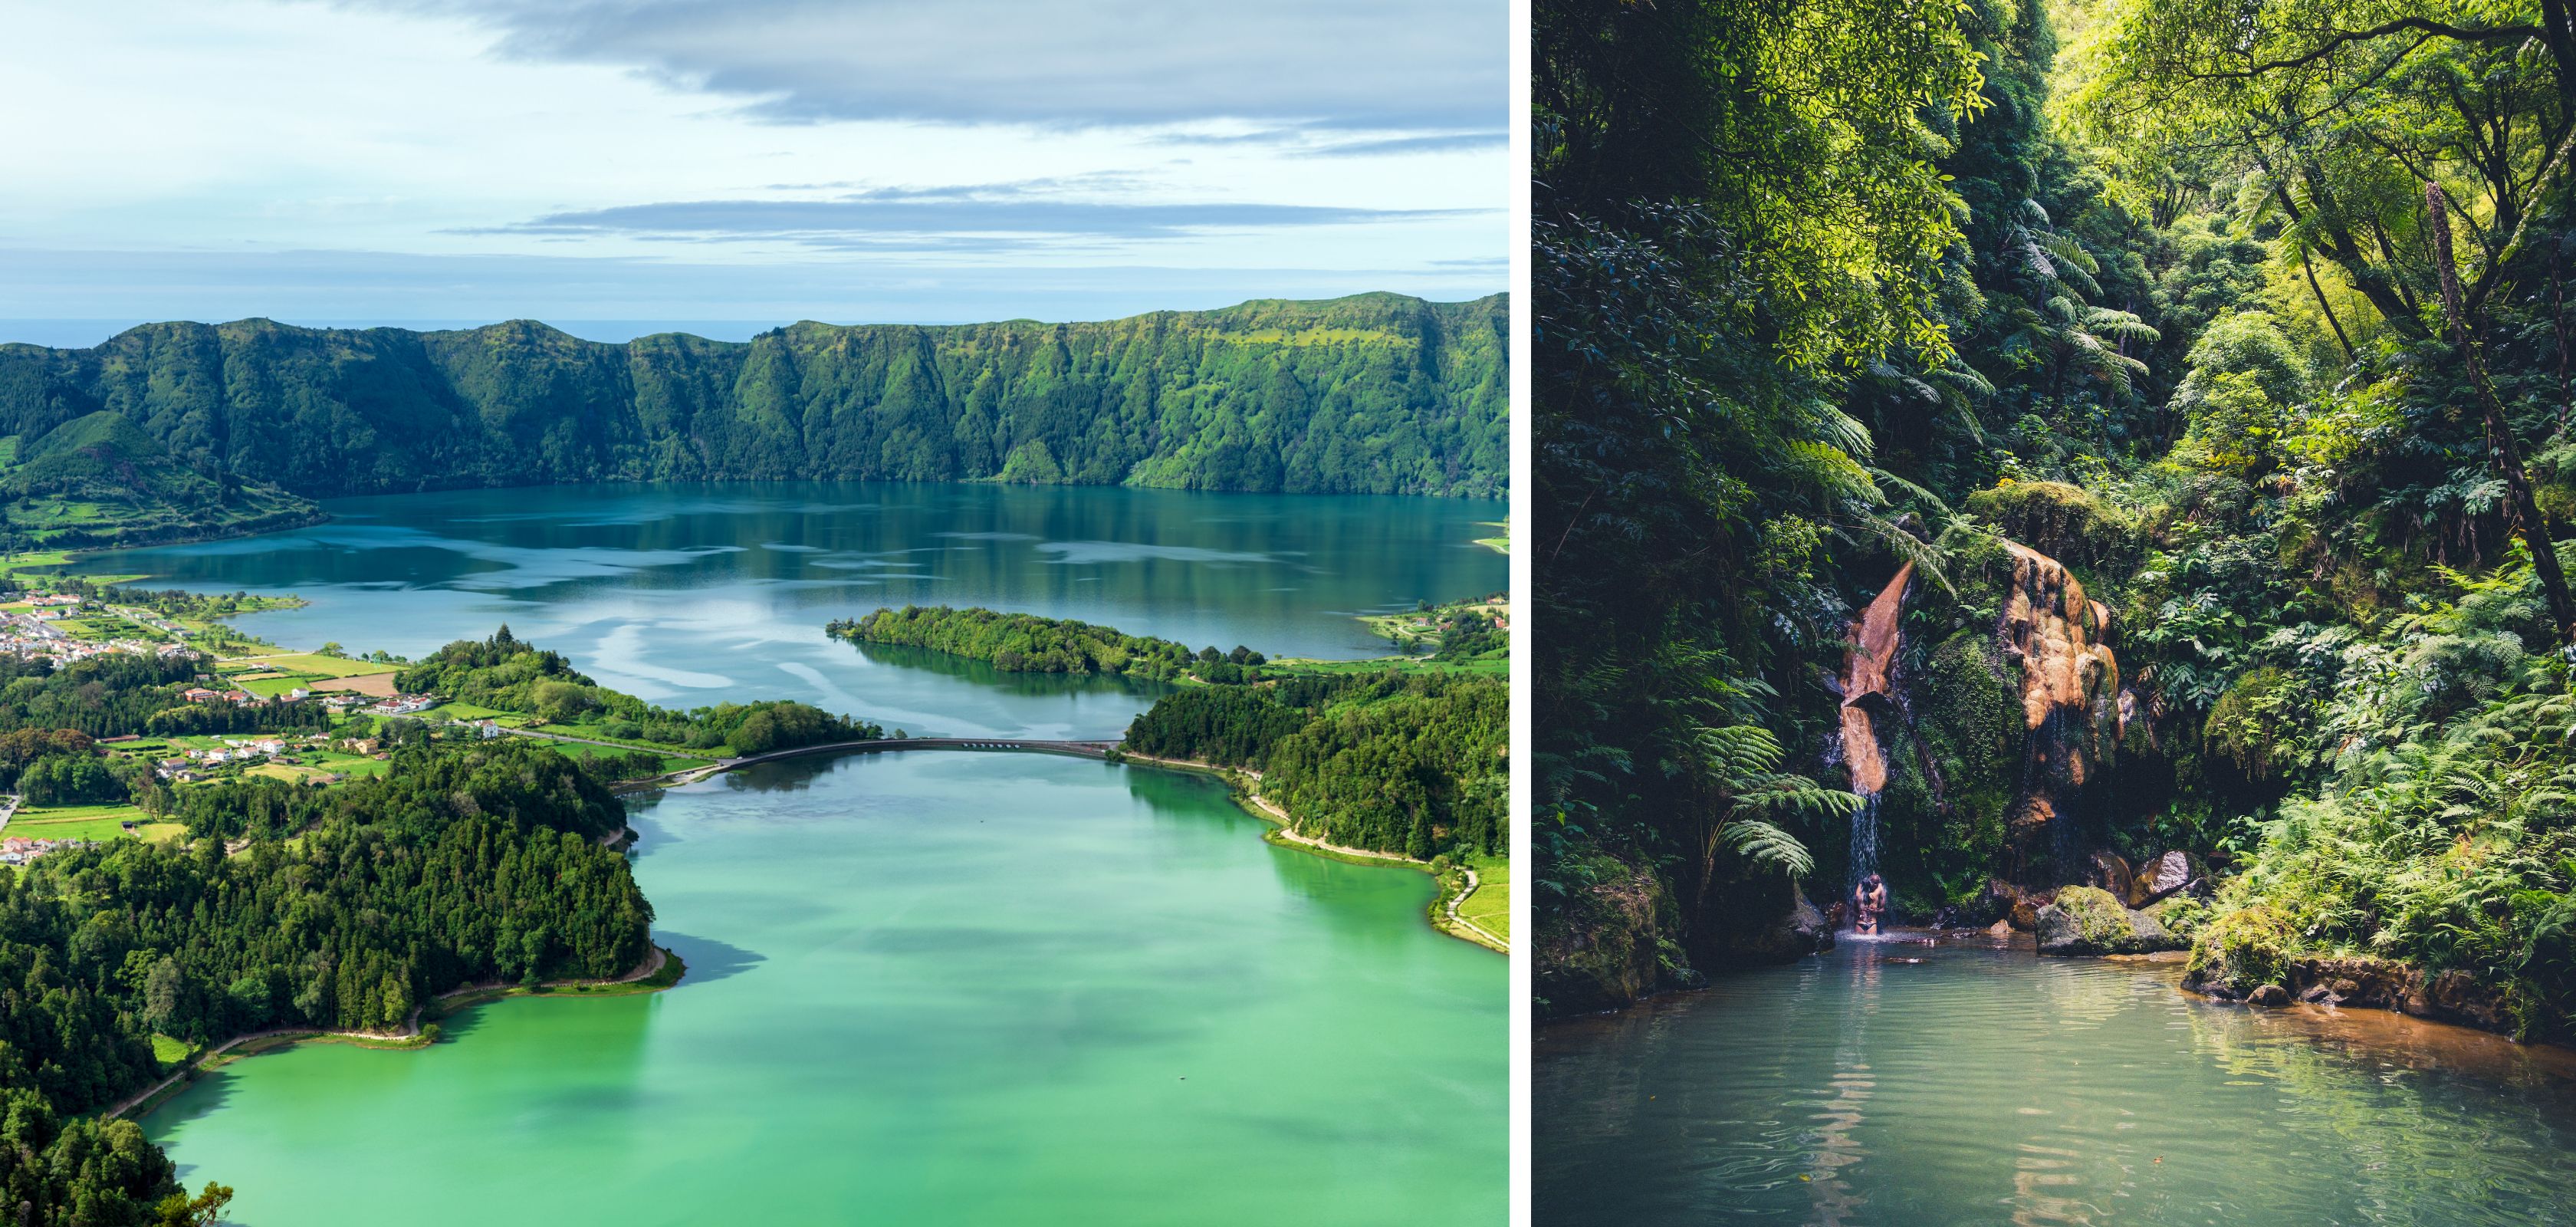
[2457,996]
[2019,908]
[2107,871]
[2269,995]
[2089,920]
[2166,875]
[1800,931]
[1603,953]
[2359,982]
[2319,994]
[2181,915]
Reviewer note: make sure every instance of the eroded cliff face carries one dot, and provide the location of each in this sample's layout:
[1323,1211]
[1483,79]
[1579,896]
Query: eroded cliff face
[1868,675]
[2030,632]
[2071,708]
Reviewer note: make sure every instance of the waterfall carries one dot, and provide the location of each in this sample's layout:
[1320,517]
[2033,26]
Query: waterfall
[1866,683]
[1864,838]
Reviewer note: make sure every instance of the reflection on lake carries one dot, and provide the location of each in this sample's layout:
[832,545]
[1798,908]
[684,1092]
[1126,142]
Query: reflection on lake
[1983,1085]
[696,594]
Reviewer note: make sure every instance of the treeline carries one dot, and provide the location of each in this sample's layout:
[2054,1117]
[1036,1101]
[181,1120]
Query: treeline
[1377,394]
[1026,643]
[1407,763]
[462,865]
[508,674]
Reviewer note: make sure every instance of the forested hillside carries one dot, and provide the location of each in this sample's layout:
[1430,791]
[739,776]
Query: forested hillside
[2182,391]
[97,480]
[1376,394]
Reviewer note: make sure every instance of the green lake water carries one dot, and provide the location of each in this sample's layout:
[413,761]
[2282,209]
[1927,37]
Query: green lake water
[924,988]
[1982,1085]
[976,988]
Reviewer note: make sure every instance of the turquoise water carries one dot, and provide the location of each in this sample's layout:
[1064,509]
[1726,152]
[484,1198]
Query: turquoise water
[1979,1086]
[930,988]
[695,594]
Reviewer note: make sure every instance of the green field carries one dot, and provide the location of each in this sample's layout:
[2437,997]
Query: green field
[271,687]
[670,762]
[1491,906]
[75,821]
[318,665]
[1491,665]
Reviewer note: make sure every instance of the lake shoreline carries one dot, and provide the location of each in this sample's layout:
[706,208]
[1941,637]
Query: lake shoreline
[1443,912]
[419,1032]
[2338,1022]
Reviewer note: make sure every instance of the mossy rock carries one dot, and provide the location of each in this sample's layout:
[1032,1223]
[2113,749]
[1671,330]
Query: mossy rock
[2068,523]
[1609,947]
[2090,920]
[2240,951]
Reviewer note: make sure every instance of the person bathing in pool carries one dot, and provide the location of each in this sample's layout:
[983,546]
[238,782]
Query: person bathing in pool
[1869,901]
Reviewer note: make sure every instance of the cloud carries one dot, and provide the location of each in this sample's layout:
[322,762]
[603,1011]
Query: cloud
[356,288]
[1363,65]
[1305,143]
[981,215]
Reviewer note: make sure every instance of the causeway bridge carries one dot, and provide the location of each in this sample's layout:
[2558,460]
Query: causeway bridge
[880,745]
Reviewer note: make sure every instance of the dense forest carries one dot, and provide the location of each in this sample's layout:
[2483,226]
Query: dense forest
[463,864]
[1027,643]
[2047,438]
[1375,394]
[1411,763]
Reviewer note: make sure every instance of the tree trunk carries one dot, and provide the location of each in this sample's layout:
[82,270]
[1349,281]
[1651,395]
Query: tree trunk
[2322,305]
[2500,437]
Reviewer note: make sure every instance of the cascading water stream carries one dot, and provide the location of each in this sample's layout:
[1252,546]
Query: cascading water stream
[1865,674]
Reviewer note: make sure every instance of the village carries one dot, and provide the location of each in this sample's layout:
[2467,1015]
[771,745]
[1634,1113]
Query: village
[64,628]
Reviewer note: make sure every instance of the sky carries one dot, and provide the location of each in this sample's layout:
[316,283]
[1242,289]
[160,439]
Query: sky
[736,164]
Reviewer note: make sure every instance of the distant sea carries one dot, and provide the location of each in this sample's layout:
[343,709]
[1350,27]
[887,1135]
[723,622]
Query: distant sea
[80,334]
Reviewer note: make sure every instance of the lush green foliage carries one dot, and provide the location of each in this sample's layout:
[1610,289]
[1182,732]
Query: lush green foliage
[1373,394]
[1736,208]
[1408,763]
[114,694]
[2199,340]
[1026,643]
[505,673]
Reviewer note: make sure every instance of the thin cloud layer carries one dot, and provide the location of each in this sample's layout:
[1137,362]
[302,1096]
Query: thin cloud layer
[934,216]
[1376,65]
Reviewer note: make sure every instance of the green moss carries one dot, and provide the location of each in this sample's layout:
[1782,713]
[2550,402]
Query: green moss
[2100,922]
[2068,523]
[2243,949]
[2181,915]
[1943,828]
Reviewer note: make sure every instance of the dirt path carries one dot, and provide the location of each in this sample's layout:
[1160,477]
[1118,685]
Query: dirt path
[1473,882]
